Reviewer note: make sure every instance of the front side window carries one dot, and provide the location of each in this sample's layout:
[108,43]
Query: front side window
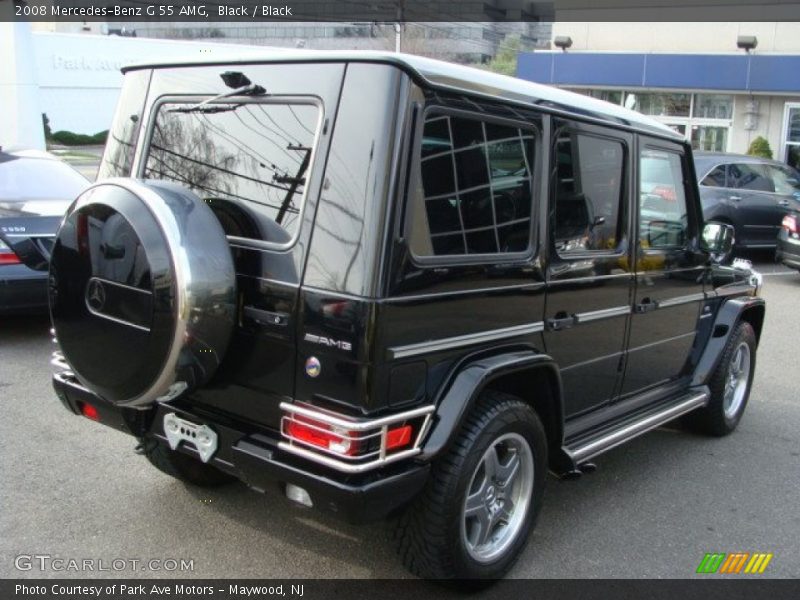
[752,177]
[588,193]
[663,220]
[249,161]
[472,188]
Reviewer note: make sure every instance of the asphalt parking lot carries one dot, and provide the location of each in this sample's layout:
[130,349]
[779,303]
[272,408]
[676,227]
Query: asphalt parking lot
[74,489]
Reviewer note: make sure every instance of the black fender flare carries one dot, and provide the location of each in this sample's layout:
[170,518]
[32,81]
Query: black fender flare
[728,316]
[459,396]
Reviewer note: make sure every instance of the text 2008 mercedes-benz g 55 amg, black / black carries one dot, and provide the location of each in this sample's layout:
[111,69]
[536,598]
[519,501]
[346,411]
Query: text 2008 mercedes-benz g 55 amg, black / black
[396,287]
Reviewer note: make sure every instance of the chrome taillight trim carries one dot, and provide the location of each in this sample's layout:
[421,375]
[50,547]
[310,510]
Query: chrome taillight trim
[372,427]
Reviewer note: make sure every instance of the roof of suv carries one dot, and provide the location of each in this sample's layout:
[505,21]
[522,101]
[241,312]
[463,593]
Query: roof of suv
[453,77]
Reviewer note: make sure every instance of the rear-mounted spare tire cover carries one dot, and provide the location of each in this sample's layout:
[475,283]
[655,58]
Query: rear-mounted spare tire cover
[142,291]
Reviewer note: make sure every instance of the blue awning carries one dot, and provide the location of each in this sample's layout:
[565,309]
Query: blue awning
[713,72]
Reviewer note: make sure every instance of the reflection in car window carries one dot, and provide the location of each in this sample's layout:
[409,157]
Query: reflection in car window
[663,220]
[248,161]
[715,178]
[749,177]
[474,180]
[785,179]
[588,192]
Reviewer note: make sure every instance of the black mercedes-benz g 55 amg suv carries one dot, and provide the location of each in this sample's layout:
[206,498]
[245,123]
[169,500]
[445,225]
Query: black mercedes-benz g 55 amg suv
[396,287]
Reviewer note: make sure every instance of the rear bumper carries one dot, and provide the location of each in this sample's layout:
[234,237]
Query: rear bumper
[22,290]
[255,457]
[788,250]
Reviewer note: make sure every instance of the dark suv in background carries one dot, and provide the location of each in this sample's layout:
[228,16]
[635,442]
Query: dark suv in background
[395,287]
[752,194]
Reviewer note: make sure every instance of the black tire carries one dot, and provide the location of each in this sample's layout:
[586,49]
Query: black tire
[430,534]
[714,419]
[183,467]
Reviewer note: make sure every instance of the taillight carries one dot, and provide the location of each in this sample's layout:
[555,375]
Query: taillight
[90,412]
[398,437]
[7,255]
[322,435]
[352,444]
[790,223]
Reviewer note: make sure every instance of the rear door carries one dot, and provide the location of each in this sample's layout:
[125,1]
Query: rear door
[669,268]
[754,204]
[589,279]
[257,160]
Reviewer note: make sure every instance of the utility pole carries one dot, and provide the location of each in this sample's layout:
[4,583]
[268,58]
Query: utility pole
[398,26]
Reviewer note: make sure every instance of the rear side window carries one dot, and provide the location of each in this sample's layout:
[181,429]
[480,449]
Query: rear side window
[248,160]
[588,192]
[124,133]
[663,219]
[749,177]
[471,189]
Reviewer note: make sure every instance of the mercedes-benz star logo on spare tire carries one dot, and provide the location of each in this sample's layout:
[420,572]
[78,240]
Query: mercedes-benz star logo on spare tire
[141,272]
[96,295]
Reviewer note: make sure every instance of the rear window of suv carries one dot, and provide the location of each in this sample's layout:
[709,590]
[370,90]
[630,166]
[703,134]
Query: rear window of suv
[249,161]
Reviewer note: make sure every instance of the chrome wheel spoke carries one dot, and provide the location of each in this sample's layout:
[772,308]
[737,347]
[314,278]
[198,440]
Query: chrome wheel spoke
[507,472]
[485,526]
[491,464]
[475,504]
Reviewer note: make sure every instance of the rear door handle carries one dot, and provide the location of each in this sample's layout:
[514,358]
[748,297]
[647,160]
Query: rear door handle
[645,306]
[561,321]
[265,317]
[783,203]
[737,198]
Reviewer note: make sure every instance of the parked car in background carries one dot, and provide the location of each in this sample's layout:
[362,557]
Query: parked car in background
[753,194]
[35,190]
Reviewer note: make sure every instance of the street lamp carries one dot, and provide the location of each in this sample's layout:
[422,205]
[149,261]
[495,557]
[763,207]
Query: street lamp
[747,42]
[563,42]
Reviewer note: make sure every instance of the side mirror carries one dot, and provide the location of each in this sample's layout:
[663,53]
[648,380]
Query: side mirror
[718,240]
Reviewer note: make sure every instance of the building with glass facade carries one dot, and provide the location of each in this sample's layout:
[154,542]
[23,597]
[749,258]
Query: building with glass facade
[690,76]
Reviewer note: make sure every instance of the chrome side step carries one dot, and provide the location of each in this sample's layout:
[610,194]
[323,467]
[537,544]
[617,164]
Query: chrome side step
[631,429]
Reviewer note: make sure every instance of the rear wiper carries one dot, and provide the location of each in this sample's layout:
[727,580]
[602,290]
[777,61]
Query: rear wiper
[205,108]
[251,89]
